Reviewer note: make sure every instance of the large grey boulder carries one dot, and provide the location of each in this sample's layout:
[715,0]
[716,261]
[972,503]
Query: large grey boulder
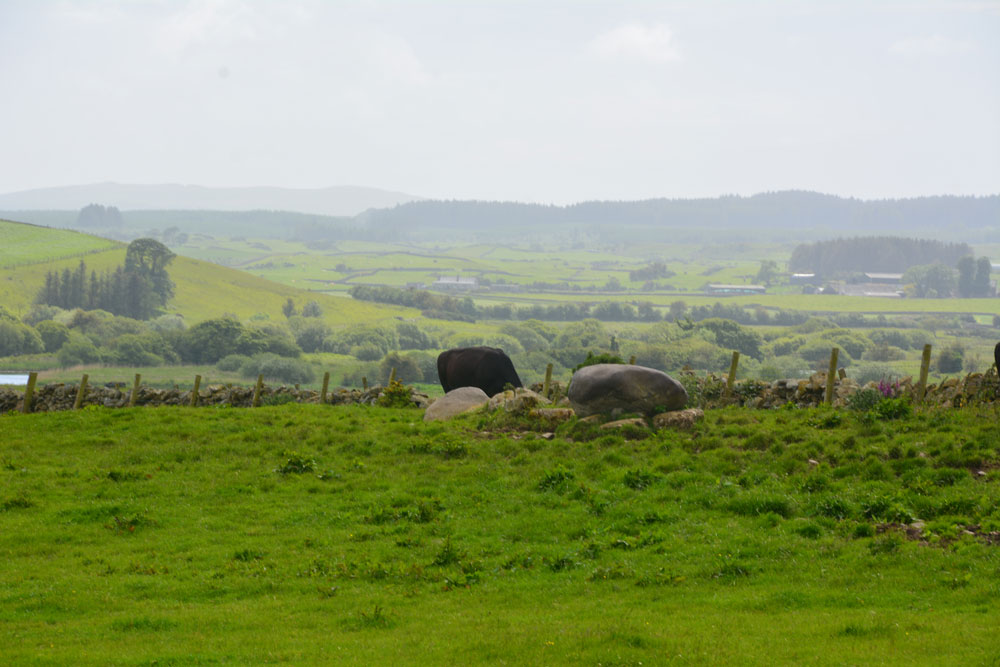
[615,389]
[455,402]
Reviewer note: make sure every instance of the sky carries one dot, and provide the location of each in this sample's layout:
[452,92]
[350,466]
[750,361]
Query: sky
[540,101]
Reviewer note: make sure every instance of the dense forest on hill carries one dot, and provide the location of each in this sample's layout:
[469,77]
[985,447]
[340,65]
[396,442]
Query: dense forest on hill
[886,254]
[803,214]
[777,216]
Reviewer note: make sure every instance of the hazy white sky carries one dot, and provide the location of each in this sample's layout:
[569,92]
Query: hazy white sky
[546,101]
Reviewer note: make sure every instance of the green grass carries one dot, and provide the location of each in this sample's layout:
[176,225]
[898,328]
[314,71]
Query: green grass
[24,244]
[314,535]
[203,290]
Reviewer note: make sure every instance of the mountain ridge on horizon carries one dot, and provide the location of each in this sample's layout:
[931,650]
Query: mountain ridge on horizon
[336,200]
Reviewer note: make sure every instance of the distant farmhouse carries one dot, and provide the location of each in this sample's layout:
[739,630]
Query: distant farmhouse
[715,288]
[457,283]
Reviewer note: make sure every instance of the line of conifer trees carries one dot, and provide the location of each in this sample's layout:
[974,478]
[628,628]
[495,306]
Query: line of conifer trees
[137,289]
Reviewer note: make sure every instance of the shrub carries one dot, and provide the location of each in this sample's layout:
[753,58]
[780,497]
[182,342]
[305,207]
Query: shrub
[396,395]
[602,358]
[950,359]
[864,400]
[281,369]
[53,334]
[232,362]
[412,337]
[17,338]
[78,350]
[407,370]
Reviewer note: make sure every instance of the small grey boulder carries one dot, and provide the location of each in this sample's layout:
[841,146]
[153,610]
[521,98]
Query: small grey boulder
[455,402]
[616,389]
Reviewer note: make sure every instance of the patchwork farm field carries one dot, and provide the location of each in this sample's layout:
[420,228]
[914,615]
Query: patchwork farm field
[313,534]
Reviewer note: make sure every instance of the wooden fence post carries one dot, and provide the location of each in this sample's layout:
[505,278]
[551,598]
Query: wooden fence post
[194,392]
[631,360]
[135,390]
[732,373]
[841,373]
[925,366]
[830,374]
[547,387]
[29,392]
[364,382]
[326,385]
[81,393]
[256,391]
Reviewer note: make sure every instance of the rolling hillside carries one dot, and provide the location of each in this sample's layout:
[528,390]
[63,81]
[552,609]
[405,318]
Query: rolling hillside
[203,290]
[22,244]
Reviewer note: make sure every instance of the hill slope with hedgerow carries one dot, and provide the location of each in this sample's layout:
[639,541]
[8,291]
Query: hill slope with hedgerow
[203,290]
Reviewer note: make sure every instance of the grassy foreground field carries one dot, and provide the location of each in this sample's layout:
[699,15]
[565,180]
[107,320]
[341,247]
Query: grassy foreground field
[308,534]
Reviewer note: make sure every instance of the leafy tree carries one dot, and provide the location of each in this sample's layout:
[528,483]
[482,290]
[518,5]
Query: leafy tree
[135,350]
[768,271]
[677,310]
[100,217]
[407,369]
[412,337]
[78,350]
[17,338]
[312,309]
[729,334]
[209,341]
[282,369]
[529,338]
[931,280]
[382,338]
[148,258]
[289,308]
[950,359]
[309,333]
[966,276]
[53,334]
[981,283]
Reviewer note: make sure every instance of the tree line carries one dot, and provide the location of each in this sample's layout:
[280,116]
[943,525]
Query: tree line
[137,289]
[880,254]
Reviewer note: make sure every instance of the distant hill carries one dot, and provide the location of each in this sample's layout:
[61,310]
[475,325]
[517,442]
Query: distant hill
[203,290]
[333,201]
[778,215]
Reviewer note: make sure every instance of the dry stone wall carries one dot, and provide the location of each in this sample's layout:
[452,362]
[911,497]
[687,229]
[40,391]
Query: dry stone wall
[52,397]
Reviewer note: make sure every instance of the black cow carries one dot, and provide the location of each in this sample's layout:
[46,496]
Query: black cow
[996,356]
[488,368]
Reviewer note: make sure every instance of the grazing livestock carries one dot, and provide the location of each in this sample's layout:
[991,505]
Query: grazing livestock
[996,357]
[488,368]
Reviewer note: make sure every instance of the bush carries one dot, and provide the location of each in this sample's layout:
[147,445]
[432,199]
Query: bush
[281,369]
[309,333]
[383,339]
[17,338]
[78,350]
[232,362]
[366,352]
[53,334]
[950,359]
[603,358]
[407,370]
[412,337]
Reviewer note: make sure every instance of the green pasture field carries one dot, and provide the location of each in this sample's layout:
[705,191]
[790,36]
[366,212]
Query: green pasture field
[203,290]
[22,244]
[309,534]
